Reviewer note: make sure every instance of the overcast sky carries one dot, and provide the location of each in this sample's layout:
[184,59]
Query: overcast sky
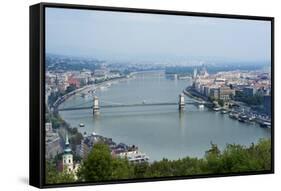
[119,35]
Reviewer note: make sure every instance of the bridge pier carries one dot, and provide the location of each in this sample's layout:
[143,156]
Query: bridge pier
[181,102]
[96,108]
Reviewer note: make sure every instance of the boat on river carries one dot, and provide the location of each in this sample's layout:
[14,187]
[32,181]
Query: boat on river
[251,118]
[201,106]
[224,111]
[216,108]
[265,124]
[233,115]
[243,118]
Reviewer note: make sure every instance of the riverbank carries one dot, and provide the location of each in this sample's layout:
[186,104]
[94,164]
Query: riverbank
[159,130]
[62,99]
[234,113]
[187,91]
[192,94]
[73,130]
[94,86]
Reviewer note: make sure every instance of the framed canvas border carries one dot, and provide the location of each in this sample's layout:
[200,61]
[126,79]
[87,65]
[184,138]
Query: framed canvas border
[37,92]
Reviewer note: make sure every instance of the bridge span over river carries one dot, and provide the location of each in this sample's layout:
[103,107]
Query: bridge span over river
[96,105]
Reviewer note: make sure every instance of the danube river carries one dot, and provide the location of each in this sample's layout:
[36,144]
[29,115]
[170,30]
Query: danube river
[159,131]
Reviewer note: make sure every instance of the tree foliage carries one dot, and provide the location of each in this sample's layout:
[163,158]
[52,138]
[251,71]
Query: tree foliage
[70,88]
[56,120]
[250,100]
[54,177]
[221,102]
[100,165]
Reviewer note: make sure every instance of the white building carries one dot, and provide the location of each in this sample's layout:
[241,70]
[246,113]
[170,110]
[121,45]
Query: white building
[134,156]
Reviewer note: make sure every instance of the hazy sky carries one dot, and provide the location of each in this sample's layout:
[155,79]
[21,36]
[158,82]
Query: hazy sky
[117,35]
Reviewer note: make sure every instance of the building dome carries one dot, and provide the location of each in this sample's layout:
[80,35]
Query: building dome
[67,150]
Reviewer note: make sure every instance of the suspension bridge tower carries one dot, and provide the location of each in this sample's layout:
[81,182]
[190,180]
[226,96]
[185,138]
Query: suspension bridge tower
[96,108]
[181,102]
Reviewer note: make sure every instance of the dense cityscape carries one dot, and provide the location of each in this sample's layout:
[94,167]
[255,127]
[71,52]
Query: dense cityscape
[244,95]
[135,95]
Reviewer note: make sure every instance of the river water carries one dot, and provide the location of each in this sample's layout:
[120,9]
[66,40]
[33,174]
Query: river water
[159,131]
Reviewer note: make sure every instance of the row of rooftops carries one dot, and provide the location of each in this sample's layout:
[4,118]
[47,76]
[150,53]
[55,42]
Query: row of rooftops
[122,150]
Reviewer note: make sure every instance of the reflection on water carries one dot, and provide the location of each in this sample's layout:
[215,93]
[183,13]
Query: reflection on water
[160,131]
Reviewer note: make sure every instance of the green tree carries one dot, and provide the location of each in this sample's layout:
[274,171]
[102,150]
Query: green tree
[70,88]
[75,138]
[140,169]
[250,100]
[53,176]
[56,120]
[212,160]
[187,166]
[122,169]
[262,152]
[221,102]
[236,158]
[161,168]
[98,166]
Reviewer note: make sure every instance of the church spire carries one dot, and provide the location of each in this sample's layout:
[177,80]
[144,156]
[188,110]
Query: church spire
[67,148]
[66,139]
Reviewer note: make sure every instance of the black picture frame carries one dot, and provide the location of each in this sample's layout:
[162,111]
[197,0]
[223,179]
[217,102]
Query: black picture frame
[37,91]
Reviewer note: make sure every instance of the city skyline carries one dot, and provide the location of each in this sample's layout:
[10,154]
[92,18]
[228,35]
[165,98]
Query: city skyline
[129,36]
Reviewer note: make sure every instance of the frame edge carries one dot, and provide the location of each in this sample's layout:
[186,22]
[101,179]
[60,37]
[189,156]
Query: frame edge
[35,128]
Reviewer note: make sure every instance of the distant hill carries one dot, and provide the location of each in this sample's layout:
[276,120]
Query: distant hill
[58,62]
